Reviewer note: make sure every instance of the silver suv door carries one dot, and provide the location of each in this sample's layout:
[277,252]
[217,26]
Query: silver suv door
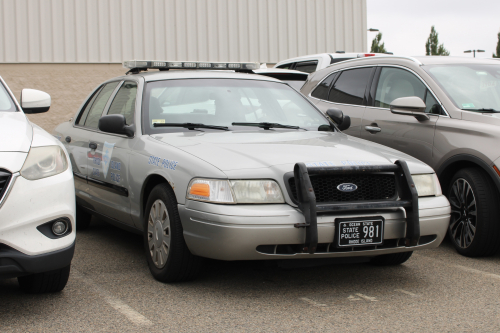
[345,90]
[405,133]
[108,182]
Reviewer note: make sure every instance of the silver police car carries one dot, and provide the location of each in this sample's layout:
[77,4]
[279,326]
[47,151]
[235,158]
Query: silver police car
[229,165]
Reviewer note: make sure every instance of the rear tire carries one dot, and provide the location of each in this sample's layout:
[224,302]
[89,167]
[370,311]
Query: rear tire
[474,224]
[46,282]
[391,259]
[82,218]
[168,256]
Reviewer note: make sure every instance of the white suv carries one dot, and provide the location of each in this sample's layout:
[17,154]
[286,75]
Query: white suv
[37,197]
[315,62]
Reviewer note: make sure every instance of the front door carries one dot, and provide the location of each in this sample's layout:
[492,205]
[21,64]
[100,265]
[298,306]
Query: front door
[405,133]
[109,157]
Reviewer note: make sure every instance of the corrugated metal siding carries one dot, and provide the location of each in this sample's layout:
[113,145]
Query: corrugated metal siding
[109,31]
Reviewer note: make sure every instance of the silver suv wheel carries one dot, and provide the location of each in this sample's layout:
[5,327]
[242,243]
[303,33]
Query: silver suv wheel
[159,233]
[463,213]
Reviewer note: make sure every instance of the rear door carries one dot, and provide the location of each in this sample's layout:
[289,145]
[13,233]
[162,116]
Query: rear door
[108,180]
[347,91]
[401,132]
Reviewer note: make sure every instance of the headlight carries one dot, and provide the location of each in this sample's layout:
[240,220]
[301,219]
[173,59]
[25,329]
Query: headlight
[427,185]
[44,162]
[235,191]
[257,191]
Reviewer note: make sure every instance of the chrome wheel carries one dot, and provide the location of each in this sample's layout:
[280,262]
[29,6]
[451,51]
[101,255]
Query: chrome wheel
[463,221]
[159,233]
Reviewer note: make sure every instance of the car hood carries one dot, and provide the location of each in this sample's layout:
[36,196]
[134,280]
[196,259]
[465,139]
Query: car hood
[16,132]
[243,150]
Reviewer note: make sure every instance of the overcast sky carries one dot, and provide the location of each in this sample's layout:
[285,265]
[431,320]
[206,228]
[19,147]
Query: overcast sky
[461,25]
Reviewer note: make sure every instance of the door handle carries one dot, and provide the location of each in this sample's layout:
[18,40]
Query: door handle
[373,129]
[93,145]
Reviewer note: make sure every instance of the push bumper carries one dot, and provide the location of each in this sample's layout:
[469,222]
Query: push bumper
[14,263]
[257,232]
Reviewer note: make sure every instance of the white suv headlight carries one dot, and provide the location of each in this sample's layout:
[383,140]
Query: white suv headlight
[235,191]
[44,162]
[427,185]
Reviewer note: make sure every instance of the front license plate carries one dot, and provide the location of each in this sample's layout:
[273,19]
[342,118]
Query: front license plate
[360,232]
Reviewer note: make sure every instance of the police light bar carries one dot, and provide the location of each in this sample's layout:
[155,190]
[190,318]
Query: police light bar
[158,64]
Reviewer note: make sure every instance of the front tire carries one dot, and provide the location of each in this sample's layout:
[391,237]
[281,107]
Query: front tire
[46,282]
[474,226]
[392,259]
[168,256]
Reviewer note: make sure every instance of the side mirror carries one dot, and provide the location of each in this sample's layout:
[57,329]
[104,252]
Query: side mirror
[409,106]
[34,101]
[115,123]
[343,122]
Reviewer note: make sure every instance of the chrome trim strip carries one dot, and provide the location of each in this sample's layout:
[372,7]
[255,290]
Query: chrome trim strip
[377,57]
[9,187]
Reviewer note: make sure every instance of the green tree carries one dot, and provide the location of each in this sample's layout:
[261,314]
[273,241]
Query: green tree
[498,48]
[432,46]
[378,47]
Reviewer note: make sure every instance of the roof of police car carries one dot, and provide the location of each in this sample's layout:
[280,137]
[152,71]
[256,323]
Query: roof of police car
[202,74]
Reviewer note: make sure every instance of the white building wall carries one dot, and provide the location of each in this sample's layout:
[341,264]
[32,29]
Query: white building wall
[110,31]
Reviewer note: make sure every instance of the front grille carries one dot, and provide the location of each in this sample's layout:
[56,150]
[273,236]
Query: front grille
[370,187]
[4,181]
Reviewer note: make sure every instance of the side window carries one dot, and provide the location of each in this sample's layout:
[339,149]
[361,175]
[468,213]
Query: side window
[285,66]
[395,83]
[431,105]
[124,101]
[306,66]
[96,106]
[322,89]
[350,87]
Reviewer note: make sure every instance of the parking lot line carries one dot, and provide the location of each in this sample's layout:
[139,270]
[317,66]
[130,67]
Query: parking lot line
[463,268]
[405,292]
[117,304]
[368,298]
[310,301]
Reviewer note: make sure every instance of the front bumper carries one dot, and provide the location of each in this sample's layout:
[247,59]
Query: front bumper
[233,232]
[31,203]
[14,263]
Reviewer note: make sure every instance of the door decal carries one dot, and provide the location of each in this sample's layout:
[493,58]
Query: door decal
[107,151]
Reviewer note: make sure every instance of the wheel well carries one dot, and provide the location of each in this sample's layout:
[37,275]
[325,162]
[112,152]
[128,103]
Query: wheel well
[450,170]
[148,186]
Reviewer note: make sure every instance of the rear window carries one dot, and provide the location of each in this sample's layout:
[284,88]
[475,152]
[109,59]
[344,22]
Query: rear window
[6,102]
[350,86]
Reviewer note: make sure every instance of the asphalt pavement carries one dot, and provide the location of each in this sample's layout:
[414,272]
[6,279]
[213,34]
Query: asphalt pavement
[111,290]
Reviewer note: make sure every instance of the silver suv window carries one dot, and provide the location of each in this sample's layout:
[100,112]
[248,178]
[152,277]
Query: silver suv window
[350,87]
[395,83]
[6,103]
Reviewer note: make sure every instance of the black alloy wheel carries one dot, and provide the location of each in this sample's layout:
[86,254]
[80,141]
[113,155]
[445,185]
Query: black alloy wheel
[463,221]
[475,212]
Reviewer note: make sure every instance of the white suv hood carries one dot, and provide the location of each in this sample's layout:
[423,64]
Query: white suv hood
[16,132]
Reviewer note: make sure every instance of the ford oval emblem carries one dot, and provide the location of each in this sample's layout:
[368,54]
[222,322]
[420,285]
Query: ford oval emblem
[347,187]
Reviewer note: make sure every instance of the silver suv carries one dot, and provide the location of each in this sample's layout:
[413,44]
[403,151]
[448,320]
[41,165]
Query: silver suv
[444,111]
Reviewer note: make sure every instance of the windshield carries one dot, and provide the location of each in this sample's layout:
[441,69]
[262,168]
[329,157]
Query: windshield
[221,102]
[472,87]
[6,103]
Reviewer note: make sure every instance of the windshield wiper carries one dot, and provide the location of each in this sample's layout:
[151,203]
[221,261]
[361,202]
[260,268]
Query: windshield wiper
[265,125]
[483,110]
[191,126]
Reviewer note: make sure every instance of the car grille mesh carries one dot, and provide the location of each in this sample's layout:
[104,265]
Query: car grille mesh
[370,187]
[4,182]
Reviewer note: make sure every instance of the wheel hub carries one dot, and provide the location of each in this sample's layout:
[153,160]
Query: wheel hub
[158,234]
[463,213]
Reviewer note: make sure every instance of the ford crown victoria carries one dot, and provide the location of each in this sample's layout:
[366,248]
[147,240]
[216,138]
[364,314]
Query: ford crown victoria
[230,165]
